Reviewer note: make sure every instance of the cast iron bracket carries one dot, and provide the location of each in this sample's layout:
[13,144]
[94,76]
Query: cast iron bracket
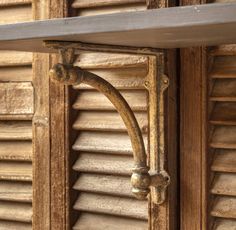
[143,179]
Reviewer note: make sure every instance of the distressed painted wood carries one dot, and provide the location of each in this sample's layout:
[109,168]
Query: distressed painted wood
[104,184]
[16,98]
[112,205]
[87,220]
[163,28]
[14,2]
[102,3]
[12,58]
[14,225]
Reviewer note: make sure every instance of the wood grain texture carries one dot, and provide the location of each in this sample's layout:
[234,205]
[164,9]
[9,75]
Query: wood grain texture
[222,224]
[12,58]
[16,191]
[193,160]
[93,100]
[90,4]
[15,14]
[14,225]
[14,2]
[106,164]
[15,212]
[104,184]
[87,220]
[18,73]
[112,205]
[16,98]
[172,27]
[106,121]
[8,150]
[41,131]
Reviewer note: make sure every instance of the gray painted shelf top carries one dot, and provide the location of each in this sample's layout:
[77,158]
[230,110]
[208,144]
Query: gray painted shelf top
[210,24]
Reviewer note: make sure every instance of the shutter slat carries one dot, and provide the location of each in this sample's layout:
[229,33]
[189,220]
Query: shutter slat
[16,74]
[224,137]
[104,184]
[13,58]
[9,225]
[224,207]
[16,151]
[97,3]
[103,163]
[120,78]
[17,171]
[112,205]
[15,14]
[222,224]
[224,113]
[109,61]
[106,121]
[16,191]
[223,50]
[15,211]
[14,2]
[224,161]
[16,98]
[107,222]
[93,100]
[224,184]
[117,143]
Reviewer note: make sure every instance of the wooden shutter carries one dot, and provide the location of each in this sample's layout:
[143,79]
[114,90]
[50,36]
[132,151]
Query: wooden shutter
[16,111]
[101,149]
[222,146]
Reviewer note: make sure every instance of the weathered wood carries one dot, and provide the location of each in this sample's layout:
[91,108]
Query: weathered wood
[10,130]
[14,225]
[93,100]
[193,140]
[15,191]
[224,161]
[105,164]
[222,224]
[93,3]
[16,98]
[15,211]
[112,205]
[224,207]
[110,61]
[12,58]
[16,151]
[104,184]
[224,113]
[18,73]
[106,121]
[224,184]
[128,78]
[224,137]
[15,171]
[116,143]
[86,221]
[223,50]
[15,14]
[162,28]
[14,2]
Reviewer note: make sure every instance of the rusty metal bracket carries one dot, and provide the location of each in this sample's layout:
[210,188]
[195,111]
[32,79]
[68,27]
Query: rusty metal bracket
[143,179]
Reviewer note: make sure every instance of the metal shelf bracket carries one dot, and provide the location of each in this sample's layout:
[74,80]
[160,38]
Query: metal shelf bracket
[145,178]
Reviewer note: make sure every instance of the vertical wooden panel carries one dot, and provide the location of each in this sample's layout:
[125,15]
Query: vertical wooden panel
[41,132]
[192,152]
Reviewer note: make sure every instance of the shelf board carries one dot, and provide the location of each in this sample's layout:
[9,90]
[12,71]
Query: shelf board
[175,27]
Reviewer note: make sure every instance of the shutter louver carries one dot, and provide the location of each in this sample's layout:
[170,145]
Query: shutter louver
[16,112]
[222,142]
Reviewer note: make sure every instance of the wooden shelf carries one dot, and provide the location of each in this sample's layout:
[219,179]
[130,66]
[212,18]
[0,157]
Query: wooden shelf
[209,24]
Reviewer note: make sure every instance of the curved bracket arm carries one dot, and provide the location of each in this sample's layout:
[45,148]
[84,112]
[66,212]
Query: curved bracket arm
[141,179]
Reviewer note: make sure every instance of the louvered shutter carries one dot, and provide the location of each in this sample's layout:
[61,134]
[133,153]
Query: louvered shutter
[16,111]
[222,139]
[102,146]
